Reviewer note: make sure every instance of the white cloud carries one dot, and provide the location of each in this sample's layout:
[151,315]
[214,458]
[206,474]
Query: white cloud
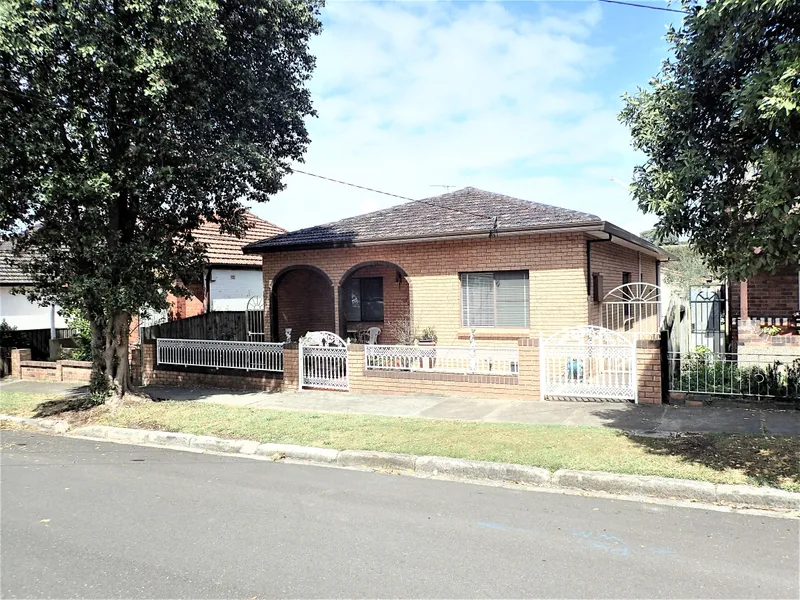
[415,94]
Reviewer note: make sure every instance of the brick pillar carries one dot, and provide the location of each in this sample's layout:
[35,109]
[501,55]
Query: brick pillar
[648,366]
[355,371]
[134,356]
[17,356]
[291,368]
[529,384]
[148,364]
[338,326]
[269,335]
[59,371]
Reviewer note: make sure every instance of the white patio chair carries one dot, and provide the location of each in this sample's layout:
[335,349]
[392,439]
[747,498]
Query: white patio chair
[373,332]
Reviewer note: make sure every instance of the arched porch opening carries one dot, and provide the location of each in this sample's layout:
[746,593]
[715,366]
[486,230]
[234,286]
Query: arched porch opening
[301,300]
[376,294]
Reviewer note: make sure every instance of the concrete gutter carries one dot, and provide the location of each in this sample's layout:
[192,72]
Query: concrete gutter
[635,486]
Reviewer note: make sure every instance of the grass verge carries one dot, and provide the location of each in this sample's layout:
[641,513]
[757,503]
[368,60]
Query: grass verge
[719,458]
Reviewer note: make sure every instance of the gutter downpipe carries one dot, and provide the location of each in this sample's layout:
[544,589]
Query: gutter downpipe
[589,261]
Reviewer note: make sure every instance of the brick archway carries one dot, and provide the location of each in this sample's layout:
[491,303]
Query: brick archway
[302,298]
[396,300]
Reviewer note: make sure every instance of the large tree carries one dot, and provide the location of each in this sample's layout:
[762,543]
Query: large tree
[720,126]
[127,123]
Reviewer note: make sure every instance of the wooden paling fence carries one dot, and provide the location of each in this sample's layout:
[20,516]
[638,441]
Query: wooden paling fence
[226,326]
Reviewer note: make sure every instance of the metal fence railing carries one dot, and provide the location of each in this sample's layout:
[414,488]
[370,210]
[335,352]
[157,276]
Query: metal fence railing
[443,359]
[251,356]
[747,375]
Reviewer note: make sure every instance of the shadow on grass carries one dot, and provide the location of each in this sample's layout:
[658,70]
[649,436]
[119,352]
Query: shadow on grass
[772,460]
[767,460]
[71,403]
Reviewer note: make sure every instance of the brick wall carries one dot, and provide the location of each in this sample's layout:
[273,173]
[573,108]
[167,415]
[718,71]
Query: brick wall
[556,262]
[23,367]
[611,261]
[768,295]
[206,378]
[525,386]
[304,302]
[396,302]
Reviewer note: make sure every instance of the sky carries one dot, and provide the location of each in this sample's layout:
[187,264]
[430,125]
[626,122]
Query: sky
[518,98]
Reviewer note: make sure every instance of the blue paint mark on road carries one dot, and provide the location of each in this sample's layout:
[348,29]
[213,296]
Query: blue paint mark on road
[590,540]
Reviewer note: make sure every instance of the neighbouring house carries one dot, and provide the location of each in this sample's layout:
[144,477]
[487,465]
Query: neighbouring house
[231,277]
[16,309]
[762,302]
[468,259]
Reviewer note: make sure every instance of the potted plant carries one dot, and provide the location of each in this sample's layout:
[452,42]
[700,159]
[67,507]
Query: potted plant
[428,336]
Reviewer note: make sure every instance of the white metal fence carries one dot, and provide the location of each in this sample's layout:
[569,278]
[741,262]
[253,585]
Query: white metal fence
[747,375]
[443,359]
[251,356]
[588,362]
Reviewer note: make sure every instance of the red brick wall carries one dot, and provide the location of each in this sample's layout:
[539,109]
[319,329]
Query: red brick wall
[768,295]
[304,302]
[188,307]
[396,303]
[208,378]
[39,370]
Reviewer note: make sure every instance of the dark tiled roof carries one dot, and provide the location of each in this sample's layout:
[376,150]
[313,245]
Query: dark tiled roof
[227,249]
[10,274]
[469,210]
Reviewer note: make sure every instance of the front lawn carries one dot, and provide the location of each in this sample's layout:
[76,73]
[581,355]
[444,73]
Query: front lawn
[759,460]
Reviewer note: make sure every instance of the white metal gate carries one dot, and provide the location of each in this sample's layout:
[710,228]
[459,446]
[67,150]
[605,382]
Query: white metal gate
[632,308]
[323,361]
[588,362]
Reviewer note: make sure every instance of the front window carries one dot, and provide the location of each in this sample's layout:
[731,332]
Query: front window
[499,299]
[363,299]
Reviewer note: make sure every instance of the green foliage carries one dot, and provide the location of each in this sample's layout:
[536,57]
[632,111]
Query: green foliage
[83,335]
[720,125]
[428,334]
[702,371]
[125,125]
[684,269]
[771,330]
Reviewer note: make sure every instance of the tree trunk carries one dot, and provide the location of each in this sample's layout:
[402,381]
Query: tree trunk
[110,365]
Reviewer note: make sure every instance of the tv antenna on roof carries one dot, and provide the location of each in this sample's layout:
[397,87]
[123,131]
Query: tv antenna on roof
[446,187]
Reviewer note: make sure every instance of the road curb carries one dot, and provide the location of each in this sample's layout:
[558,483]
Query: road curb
[48,425]
[590,481]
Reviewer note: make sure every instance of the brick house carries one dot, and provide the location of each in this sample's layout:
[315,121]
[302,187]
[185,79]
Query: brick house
[230,277]
[228,280]
[766,300]
[508,268]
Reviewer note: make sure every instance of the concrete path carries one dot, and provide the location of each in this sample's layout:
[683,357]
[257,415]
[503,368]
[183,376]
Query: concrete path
[625,416]
[629,417]
[86,519]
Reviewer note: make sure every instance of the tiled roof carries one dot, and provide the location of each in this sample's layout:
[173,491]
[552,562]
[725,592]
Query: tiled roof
[227,249]
[464,211]
[10,274]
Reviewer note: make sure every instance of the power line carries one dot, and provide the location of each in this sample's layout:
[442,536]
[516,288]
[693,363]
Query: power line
[661,8]
[427,202]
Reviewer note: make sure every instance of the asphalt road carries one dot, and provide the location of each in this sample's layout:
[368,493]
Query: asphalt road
[82,519]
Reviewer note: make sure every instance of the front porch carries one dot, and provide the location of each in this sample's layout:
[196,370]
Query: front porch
[372,294]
